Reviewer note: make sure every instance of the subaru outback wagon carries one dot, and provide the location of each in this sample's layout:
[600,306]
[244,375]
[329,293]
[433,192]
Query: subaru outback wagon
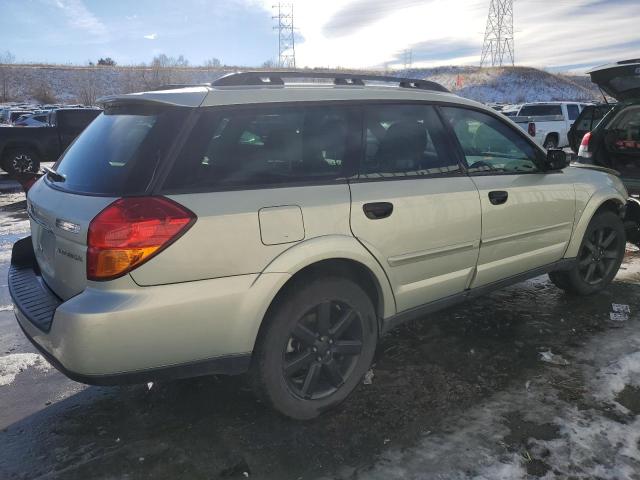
[259,225]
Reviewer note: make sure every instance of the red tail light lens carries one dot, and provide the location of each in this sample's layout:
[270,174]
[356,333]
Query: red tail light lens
[583,151]
[130,231]
[532,129]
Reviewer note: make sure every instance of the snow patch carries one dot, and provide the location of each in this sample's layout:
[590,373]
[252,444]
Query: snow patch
[11,365]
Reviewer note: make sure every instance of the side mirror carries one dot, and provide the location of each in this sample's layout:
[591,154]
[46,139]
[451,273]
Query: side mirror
[556,159]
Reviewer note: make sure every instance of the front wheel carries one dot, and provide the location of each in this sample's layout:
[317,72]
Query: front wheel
[599,257]
[316,346]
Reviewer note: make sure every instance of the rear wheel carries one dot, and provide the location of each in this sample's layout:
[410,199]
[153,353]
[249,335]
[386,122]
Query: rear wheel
[19,161]
[316,346]
[550,142]
[599,257]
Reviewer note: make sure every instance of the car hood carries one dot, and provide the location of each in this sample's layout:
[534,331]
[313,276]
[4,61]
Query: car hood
[619,80]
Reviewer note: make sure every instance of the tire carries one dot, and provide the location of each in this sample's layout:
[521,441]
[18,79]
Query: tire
[599,257]
[550,142]
[324,332]
[19,161]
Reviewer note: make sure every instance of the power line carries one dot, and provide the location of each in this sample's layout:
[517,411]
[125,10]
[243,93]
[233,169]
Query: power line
[498,46]
[286,37]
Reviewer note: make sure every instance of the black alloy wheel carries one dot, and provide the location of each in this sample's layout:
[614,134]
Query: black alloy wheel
[322,350]
[599,255]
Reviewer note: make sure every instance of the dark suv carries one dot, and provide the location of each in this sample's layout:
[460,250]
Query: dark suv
[614,142]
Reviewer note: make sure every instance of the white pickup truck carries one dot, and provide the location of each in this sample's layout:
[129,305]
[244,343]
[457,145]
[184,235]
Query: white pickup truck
[548,122]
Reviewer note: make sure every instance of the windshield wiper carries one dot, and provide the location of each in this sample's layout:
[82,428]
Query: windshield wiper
[53,175]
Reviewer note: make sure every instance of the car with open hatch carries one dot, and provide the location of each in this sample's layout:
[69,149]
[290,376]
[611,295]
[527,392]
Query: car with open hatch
[278,223]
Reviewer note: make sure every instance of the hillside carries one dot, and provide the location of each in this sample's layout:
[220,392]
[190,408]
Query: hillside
[70,84]
[510,84]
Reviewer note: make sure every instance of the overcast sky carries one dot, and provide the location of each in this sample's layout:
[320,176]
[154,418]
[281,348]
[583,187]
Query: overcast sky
[557,34]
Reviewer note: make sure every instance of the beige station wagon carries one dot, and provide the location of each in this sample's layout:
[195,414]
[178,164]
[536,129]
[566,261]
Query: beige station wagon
[259,225]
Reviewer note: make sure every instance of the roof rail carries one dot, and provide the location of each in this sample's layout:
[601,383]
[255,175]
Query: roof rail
[175,86]
[257,78]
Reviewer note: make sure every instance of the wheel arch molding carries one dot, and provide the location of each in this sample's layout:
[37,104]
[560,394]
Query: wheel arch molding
[606,199]
[337,255]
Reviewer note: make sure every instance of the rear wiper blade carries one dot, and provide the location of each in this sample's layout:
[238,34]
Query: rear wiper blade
[53,175]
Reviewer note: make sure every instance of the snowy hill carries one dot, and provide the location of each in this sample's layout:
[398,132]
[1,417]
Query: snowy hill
[509,84]
[73,84]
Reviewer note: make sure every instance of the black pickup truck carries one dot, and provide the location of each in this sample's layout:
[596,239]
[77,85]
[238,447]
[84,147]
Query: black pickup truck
[22,149]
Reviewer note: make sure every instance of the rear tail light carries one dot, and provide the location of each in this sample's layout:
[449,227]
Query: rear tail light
[583,151]
[532,129]
[130,231]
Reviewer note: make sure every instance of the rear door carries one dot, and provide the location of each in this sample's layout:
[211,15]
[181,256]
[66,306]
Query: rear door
[527,214]
[412,206]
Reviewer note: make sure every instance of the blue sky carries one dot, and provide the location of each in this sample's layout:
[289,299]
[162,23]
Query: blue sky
[556,34]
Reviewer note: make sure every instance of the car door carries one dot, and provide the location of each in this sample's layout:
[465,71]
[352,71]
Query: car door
[413,207]
[527,214]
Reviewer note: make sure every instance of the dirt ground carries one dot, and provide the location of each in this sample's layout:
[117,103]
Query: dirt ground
[527,382]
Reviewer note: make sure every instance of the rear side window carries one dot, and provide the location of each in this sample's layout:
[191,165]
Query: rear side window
[118,153]
[405,140]
[573,111]
[540,110]
[266,146]
[623,135]
[490,145]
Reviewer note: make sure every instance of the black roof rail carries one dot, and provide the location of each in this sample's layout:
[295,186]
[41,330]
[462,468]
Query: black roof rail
[257,78]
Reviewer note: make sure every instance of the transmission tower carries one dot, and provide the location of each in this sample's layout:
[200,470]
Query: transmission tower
[286,38]
[407,56]
[498,48]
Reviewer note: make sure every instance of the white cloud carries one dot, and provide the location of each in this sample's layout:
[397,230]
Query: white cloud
[80,17]
[358,33]
[151,36]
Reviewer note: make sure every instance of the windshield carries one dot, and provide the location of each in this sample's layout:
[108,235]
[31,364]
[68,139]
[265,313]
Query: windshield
[118,153]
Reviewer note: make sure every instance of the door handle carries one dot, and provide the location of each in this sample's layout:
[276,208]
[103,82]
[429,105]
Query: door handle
[498,197]
[377,210]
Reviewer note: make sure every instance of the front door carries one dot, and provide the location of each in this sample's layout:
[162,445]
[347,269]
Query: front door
[412,206]
[527,214]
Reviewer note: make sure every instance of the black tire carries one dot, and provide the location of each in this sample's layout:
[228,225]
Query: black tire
[550,142]
[324,331]
[599,257]
[19,161]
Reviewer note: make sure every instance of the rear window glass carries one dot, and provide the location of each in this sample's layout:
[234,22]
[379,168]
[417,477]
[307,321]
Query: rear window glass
[540,110]
[77,120]
[573,111]
[265,146]
[118,153]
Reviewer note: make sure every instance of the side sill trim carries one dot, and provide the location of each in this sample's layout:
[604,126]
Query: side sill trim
[428,308]
[224,365]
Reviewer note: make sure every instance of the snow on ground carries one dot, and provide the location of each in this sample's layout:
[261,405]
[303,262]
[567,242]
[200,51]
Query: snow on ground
[11,365]
[573,425]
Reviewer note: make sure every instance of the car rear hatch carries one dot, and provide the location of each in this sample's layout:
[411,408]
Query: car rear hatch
[620,80]
[117,156]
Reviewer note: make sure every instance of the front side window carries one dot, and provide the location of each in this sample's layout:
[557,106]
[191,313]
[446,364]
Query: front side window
[405,140]
[265,146]
[490,145]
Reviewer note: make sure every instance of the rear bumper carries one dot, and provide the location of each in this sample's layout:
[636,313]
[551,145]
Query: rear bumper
[131,334]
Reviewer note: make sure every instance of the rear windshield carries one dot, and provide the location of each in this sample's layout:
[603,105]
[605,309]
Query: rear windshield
[118,152]
[540,110]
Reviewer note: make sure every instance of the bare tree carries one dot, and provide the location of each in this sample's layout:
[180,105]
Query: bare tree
[213,63]
[164,70]
[43,92]
[88,92]
[6,59]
